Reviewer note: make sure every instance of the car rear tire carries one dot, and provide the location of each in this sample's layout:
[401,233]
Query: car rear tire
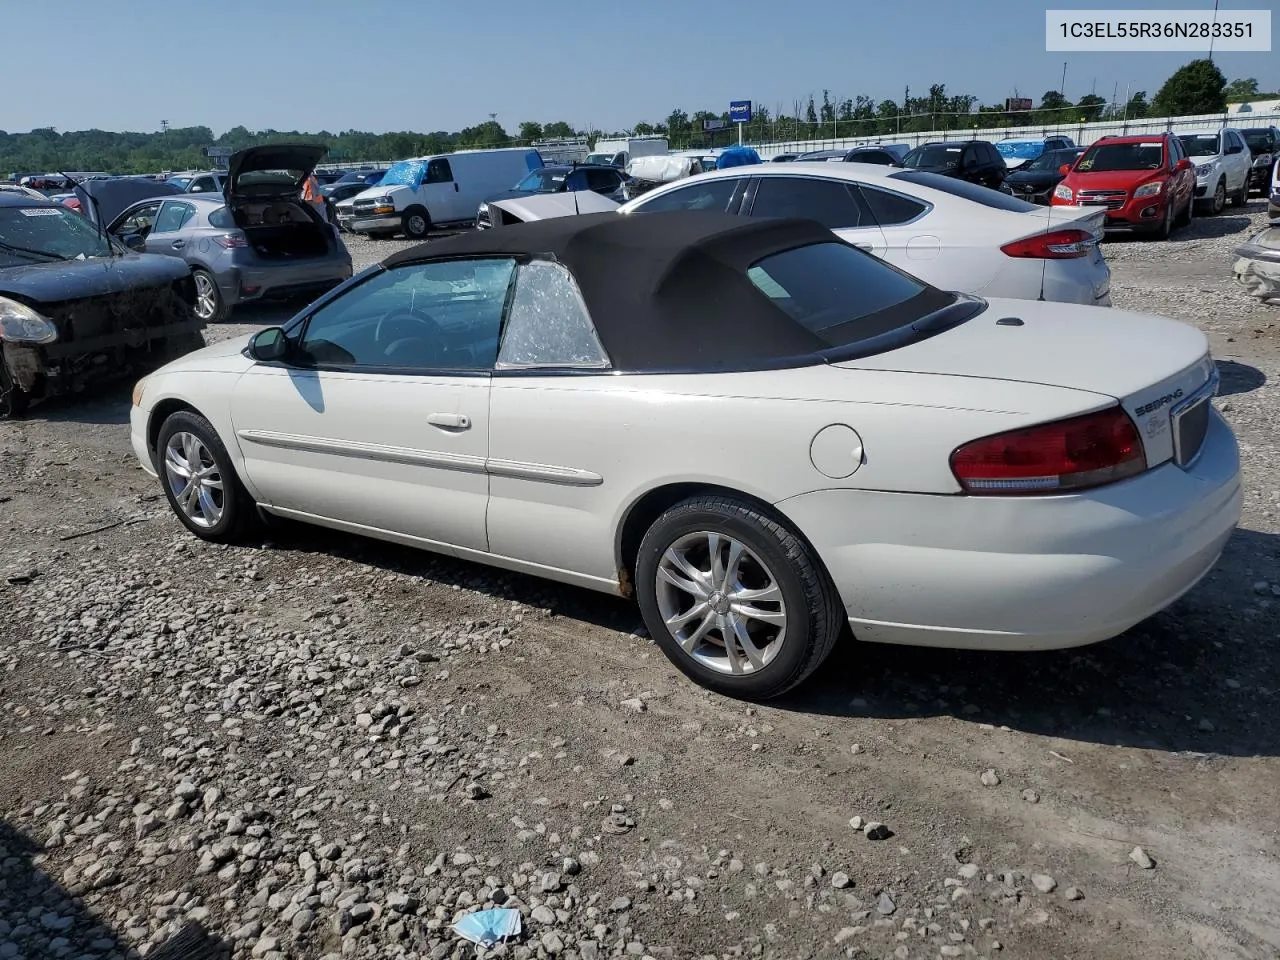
[209,304]
[416,223]
[200,483]
[717,566]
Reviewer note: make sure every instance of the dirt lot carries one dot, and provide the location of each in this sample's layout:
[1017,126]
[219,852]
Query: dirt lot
[332,746]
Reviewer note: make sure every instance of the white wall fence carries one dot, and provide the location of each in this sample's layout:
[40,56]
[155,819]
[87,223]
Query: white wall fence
[1082,133]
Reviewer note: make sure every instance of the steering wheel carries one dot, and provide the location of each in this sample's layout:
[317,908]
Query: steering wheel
[401,330]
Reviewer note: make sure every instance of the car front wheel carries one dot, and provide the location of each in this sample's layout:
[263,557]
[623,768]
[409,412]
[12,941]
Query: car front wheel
[199,481]
[735,599]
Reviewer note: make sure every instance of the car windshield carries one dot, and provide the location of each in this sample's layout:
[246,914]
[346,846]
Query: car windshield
[844,296]
[1200,144]
[179,182]
[543,180]
[404,173]
[1051,160]
[604,159]
[1259,141]
[934,158]
[1020,149]
[36,234]
[1102,158]
[966,190]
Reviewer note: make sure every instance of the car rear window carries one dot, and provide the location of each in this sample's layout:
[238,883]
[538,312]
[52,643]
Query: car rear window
[964,189]
[842,295]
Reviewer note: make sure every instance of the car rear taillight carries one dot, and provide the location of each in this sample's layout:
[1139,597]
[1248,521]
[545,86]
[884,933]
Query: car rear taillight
[231,240]
[1055,245]
[1066,455]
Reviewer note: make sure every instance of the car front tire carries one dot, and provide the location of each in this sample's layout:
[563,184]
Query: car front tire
[416,223]
[199,481]
[736,599]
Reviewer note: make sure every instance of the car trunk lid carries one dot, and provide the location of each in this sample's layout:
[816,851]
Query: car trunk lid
[272,172]
[1157,368]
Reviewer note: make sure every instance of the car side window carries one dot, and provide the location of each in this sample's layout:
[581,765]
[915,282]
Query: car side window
[577,180]
[703,195]
[890,209]
[173,214]
[602,181]
[202,185]
[443,315]
[547,324]
[140,221]
[993,155]
[831,202]
[438,171]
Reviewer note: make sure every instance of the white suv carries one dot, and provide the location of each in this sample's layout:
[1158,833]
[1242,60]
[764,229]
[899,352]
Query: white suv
[1223,165]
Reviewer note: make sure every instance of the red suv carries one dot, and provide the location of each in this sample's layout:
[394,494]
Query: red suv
[1146,183]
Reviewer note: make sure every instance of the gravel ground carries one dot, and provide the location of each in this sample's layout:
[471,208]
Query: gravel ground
[325,746]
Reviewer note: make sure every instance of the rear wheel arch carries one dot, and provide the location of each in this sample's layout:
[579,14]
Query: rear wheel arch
[653,503]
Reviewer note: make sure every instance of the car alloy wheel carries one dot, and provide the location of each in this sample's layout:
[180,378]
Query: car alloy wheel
[193,478]
[736,599]
[199,481]
[1219,196]
[208,300]
[721,603]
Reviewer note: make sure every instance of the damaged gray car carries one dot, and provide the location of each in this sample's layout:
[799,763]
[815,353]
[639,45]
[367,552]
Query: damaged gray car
[1257,266]
[77,308]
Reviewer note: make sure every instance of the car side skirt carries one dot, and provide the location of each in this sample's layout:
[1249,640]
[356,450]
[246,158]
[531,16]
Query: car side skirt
[600,584]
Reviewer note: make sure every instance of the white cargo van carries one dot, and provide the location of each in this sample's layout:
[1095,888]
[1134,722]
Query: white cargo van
[415,196]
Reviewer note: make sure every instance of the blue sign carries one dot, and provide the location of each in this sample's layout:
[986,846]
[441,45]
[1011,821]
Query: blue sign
[740,111]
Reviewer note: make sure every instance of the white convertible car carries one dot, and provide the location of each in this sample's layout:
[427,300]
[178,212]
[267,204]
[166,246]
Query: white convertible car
[765,435]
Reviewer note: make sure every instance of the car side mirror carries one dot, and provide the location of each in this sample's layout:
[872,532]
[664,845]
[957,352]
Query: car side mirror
[134,241]
[269,345]
[1183,164]
[1064,169]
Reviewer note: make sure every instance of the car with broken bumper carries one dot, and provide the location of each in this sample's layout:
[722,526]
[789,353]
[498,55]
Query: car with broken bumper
[78,309]
[768,437]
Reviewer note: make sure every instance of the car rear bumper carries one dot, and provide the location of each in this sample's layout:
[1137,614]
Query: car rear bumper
[250,284]
[1033,573]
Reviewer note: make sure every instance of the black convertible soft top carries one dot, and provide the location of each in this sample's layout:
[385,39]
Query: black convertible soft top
[667,291]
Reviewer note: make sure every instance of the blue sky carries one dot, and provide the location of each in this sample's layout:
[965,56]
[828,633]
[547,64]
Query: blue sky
[379,65]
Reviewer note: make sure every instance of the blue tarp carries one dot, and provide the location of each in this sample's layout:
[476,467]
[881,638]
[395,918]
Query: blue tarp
[404,173]
[736,157]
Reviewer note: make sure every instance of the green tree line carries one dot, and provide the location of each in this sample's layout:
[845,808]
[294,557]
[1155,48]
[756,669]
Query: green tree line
[1196,88]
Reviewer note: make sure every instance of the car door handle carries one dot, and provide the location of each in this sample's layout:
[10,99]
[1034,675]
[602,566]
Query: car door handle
[450,421]
[179,244]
